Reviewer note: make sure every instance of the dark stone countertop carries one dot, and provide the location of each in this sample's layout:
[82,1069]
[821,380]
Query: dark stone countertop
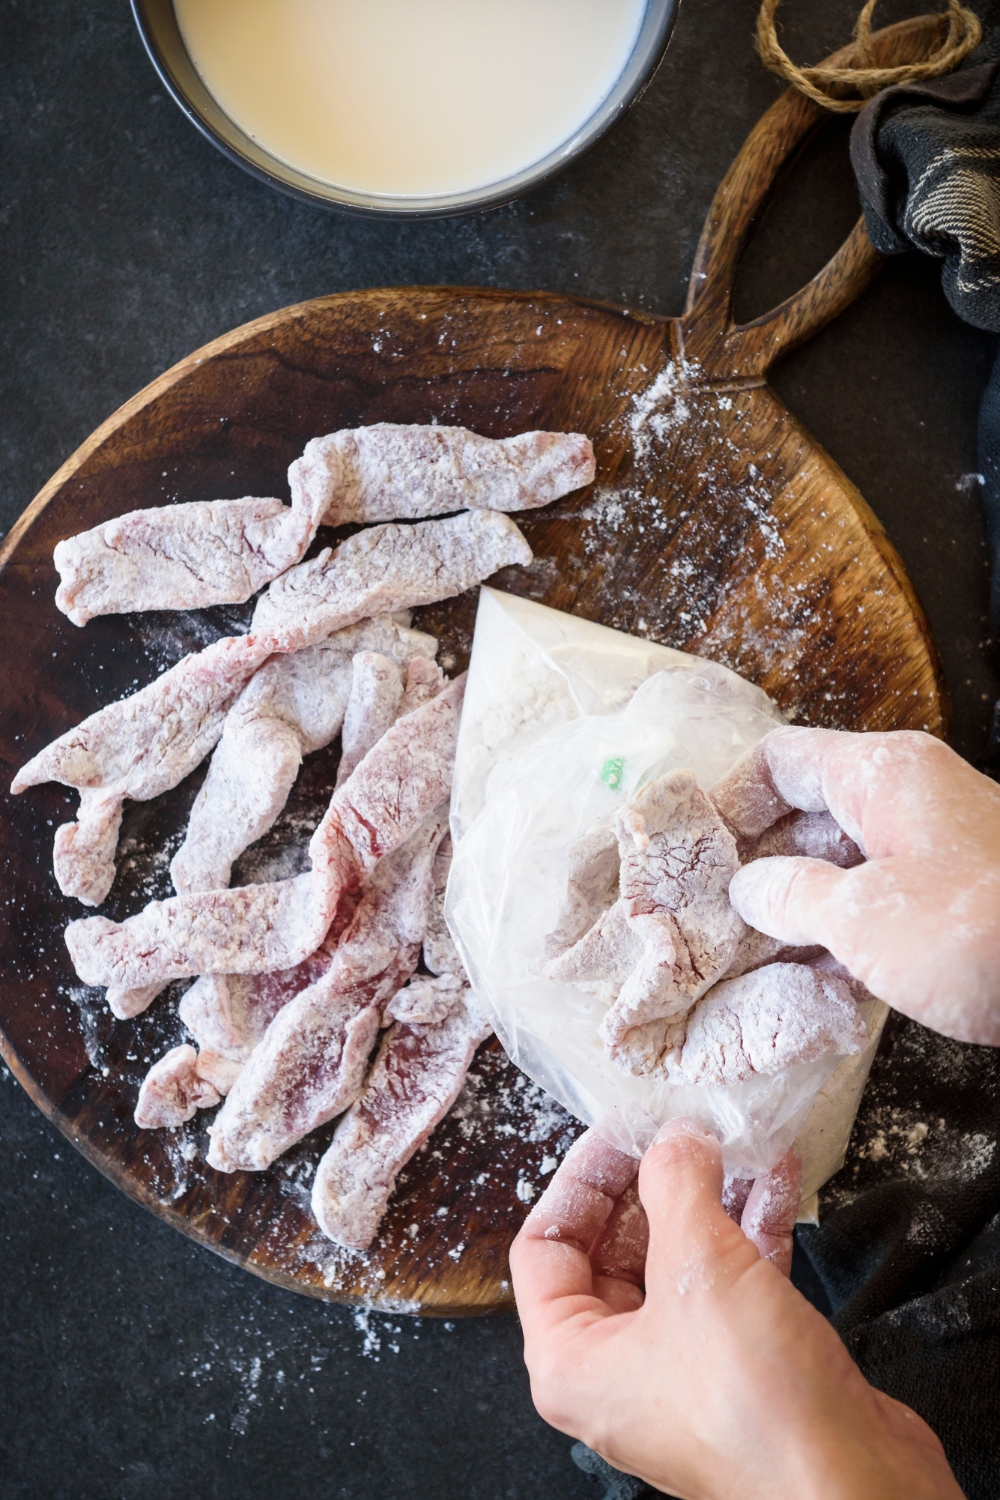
[135,1366]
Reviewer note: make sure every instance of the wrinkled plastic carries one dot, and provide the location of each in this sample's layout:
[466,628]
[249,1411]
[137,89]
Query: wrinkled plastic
[563,721]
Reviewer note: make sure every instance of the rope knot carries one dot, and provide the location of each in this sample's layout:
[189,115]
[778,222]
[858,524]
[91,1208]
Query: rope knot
[848,89]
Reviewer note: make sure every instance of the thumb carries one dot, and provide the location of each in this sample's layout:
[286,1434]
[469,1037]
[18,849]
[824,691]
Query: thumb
[794,899]
[690,1233]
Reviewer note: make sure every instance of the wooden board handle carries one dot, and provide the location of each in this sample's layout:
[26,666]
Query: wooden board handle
[727,351]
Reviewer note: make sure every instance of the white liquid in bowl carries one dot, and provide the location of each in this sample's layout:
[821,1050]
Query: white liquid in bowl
[410,97]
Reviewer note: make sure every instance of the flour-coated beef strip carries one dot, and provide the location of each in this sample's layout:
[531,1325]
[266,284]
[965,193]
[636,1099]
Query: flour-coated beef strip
[147,743]
[388,568]
[825,963]
[677,859]
[144,745]
[180,556]
[423,680]
[256,928]
[249,930]
[390,471]
[417,1076]
[306,1070]
[424,1002]
[765,1021]
[309,689]
[755,949]
[221,1072]
[249,778]
[814,835]
[83,854]
[140,747]
[403,777]
[747,798]
[602,960]
[126,1003]
[440,954]
[173,1091]
[292,707]
[591,887]
[229,1013]
[373,704]
[310,1063]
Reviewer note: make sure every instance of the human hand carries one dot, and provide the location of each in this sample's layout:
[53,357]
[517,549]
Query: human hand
[695,1364]
[919,923]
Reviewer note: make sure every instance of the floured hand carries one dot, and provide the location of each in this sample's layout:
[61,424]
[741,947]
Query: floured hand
[919,922]
[694,1363]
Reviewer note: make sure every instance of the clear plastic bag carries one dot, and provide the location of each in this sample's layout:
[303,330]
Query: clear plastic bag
[563,720]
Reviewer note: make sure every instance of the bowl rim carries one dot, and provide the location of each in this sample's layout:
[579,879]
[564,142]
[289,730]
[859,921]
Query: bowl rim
[161,36]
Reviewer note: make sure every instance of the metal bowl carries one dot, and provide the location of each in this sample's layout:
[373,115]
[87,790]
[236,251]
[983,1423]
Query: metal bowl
[161,35]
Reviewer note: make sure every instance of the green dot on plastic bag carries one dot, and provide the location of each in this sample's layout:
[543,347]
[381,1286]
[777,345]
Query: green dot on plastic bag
[611,772]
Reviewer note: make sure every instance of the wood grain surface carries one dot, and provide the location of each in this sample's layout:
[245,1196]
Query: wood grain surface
[716,524]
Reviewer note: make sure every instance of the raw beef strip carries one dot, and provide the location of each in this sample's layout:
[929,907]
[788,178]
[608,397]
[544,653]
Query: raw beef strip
[257,928]
[292,707]
[180,556]
[766,1021]
[142,746]
[249,930]
[83,855]
[440,953]
[390,472]
[387,568]
[310,1063]
[677,859]
[418,1074]
[591,887]
[372,705]
[403,777]
[423,681]
[173,1091]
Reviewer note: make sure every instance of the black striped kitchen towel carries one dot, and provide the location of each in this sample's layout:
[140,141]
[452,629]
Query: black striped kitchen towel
[927,161]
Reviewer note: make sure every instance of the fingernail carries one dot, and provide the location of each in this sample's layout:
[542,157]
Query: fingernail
[683,1126]
[752,889]
[747,881]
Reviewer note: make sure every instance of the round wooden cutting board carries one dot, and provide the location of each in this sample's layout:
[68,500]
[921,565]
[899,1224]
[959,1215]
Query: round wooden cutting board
[716,524]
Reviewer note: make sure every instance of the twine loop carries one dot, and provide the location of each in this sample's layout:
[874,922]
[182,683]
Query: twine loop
[848,89]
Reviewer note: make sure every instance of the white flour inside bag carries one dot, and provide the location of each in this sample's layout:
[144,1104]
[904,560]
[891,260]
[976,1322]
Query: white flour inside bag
[569,726]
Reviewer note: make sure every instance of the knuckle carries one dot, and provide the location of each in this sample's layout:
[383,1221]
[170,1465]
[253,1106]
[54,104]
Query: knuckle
[550,1392]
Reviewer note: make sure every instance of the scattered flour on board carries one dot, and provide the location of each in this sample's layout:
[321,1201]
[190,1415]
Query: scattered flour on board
[91,1008]
[503,1132]
[661,408]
